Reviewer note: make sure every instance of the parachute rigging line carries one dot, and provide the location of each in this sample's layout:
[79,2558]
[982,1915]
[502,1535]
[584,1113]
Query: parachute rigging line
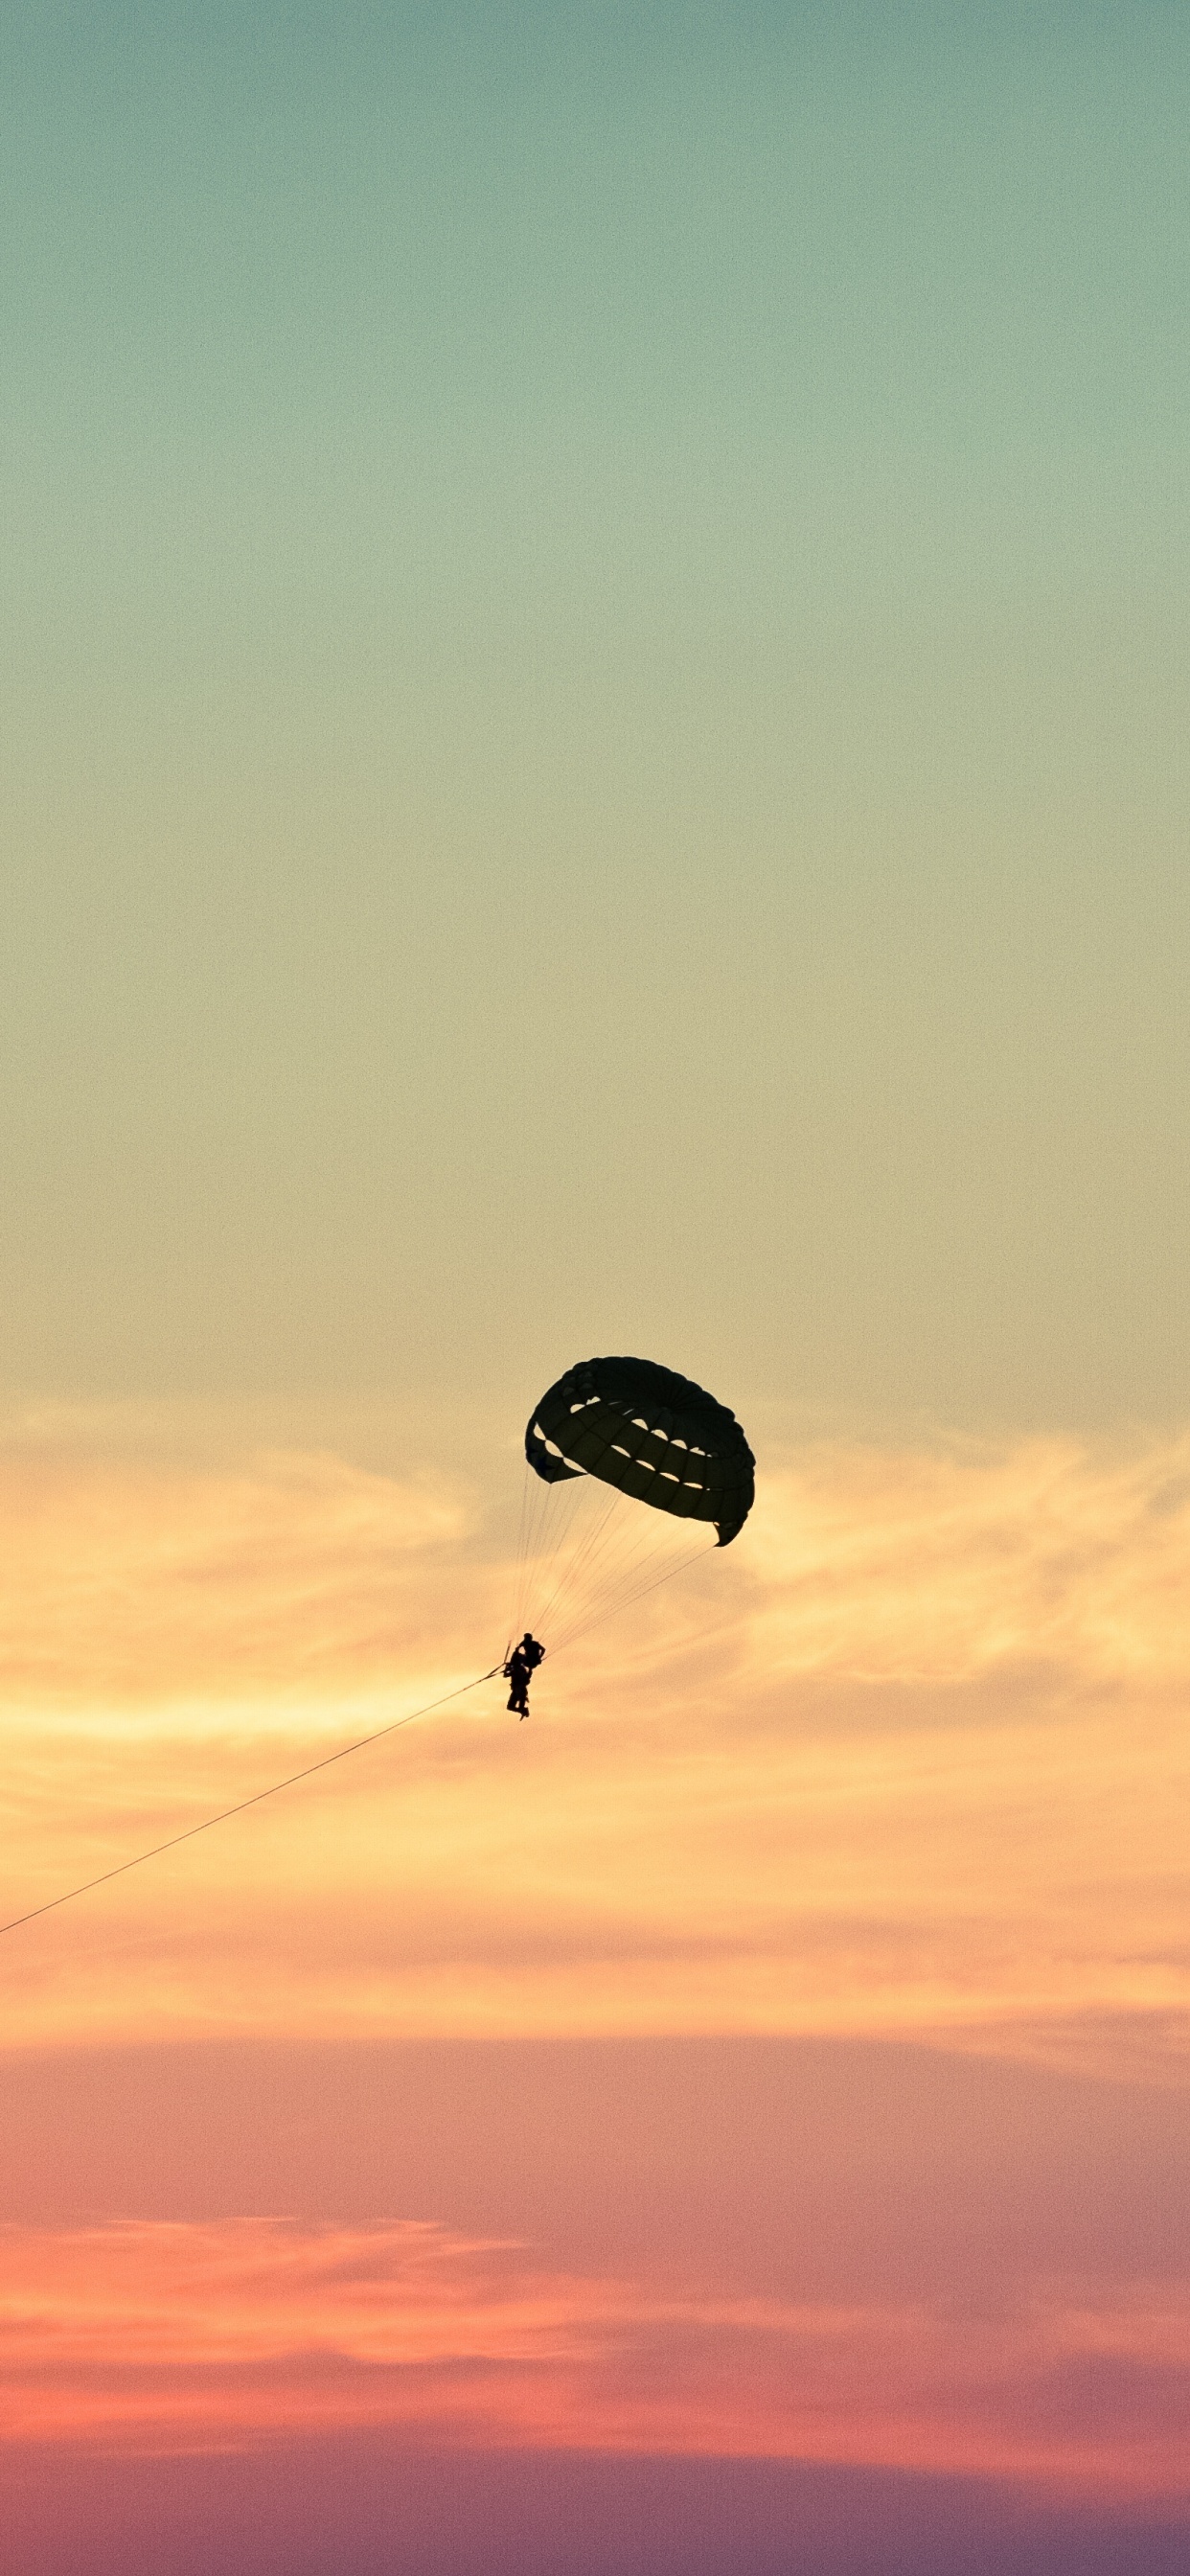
[583,1557]
[612,1608]
[225,1813]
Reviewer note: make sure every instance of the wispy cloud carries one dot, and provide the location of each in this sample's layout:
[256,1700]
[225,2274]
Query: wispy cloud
[944,1564]
[149,2337]
[127,1576]
[913,1756]
[129,1581]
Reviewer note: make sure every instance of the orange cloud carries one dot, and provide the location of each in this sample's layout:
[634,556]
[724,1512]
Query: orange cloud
[130,1580]
[941,1565]
[910,1757]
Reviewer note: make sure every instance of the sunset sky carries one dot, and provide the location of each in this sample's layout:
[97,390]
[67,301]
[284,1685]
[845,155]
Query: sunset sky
[594,667]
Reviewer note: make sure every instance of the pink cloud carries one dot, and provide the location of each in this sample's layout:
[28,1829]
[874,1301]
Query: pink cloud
[147,2337]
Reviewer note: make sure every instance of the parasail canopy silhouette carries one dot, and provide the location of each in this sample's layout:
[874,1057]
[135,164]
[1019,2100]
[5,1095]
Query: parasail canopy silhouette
[608,1437]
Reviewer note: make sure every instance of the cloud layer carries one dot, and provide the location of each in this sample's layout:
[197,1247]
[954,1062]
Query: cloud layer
[911,1757]
[907,1764]
[149,2336]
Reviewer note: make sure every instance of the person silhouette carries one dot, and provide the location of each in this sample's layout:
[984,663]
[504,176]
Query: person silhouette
[519,1670]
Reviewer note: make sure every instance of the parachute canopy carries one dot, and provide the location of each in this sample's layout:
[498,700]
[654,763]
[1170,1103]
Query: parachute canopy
[650,1433]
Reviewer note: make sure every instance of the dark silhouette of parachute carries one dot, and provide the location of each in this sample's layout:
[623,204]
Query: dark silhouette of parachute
[649,1433]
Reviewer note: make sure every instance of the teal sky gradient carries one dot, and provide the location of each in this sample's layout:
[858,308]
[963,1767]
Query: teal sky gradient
[595,658]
